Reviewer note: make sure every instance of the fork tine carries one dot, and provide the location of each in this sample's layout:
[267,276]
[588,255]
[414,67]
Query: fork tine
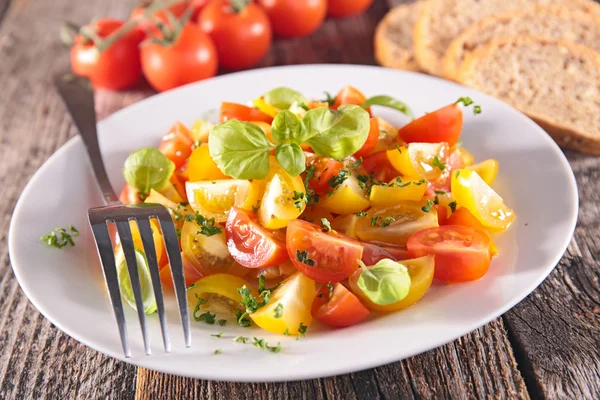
[129,252]
[107,258]
[172,245]
[150,250]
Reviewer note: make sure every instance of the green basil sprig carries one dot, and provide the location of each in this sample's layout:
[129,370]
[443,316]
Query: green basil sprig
[283,97]
[384,283]
[390,102]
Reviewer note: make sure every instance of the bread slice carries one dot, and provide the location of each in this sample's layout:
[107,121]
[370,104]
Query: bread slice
[393,37]
[440,21]
[555,82]
[558,22]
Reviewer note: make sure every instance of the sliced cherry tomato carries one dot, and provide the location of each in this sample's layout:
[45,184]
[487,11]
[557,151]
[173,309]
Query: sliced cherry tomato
[395,224]
[218,288]
[323,169]
[177,144]
[347,8]
[379,165]
[250,244]
[214,199]
[461,253]
[347,198]
[201,166]
[241,32]
[116,67]
[130,195]
[278,206]
[420,160]
[341,309]
[190,57]
[178,181]
[401,190]
[242,113]
[464,217]
[292,18]
[442,183]
[421,277]
[442,213]
[443,125]
[375,252]
[323,257]
[349,95]
[372,140]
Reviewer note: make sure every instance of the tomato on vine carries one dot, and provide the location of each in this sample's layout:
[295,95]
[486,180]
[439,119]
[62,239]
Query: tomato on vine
[293,18]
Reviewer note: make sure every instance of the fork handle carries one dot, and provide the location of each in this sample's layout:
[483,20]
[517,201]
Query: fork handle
[78,97]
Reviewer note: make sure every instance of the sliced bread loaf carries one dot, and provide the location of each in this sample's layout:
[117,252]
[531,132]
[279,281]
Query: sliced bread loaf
[555,82]
[557,22]
[393,38]
[440,21]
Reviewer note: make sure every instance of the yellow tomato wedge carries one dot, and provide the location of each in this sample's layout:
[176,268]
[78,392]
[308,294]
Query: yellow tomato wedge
[201,166]
[347,198]
[417,160]
[412,190]
[471,192]
[278,205]
[467,157]
[218,290]
[395,224]
[214,199]
[487,170]
[421,276]
[200,130]
[388,136]
[268,109]
[159,246]
[170,192]
[295,295]
[345,224]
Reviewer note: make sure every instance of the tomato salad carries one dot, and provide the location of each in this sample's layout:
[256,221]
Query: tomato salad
[290,209]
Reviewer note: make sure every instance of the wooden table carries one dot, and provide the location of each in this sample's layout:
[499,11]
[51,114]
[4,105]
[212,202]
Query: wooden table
[545,347]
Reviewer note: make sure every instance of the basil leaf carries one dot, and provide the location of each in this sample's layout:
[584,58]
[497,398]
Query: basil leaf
[291,158]
[385,283]
[240,149]
[287,127]
[145,283]
[147,169]
[337,133]
[283,97]
[390,102]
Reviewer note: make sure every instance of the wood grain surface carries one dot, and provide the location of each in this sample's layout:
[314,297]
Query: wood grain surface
[546,347]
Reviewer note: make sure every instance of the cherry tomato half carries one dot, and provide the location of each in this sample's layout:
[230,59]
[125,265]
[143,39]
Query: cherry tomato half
[323,257]
[242,113]
[371,141]
[461,253]
[293,18]
[349,95]
[324,169]
[250,244]
[443,125]
[379,165]
[342,309]
[375,252]
[177,145]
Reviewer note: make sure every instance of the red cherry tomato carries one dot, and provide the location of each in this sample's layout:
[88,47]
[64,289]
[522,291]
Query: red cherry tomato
[130,195]
[375,252]
[453,162]
[324,169]
[242,113]
[341,310]
[250,244]
[443,125]
[346,8]
[177,144]
[118,66]
[371,141]
[293,18]
[379,165]
[442,213]
[323,257]
[242,37]
[198,6]
[190,58]
[461,253]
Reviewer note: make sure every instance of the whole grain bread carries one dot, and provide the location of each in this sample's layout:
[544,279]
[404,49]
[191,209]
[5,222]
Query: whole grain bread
[558,22]
[555,82]
[440,21]
[393,37]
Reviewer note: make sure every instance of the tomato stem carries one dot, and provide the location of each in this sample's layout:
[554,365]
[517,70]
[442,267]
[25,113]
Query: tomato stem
[68,31]
[238,5]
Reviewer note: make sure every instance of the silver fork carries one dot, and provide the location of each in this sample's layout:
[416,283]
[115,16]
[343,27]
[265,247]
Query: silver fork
[78,98]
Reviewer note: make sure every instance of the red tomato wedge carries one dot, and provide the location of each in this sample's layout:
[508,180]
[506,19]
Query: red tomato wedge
[453,162]
[242,113]
[371,141]
[324,169]
[348,95]
[323,257]
[177,145]
[443,125]
[130,195]
[341,310]
[190,273]
[442,213]
[375,252]
[379,165]
[250,244]
[461,253]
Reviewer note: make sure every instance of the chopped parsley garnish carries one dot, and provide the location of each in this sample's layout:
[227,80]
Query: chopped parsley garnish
[303,106]
[437,163]
[357,163]
[207,317]
[440,192]
[207,225]
[467,101]
[178,232]
[60,238]
[310,173]
[300,200]
[241,339]
[218,335]
[374,220]
[286,332]
[262,344]
[325,225]
[198,305]
[361,214]
[302,330]
[218,351]
[427,207]
[452,206]
[457,173]
[330,288]
[337,180]
[476,110]
[222,322]
[279,310]
[242,319]
[302,256]
[387,221]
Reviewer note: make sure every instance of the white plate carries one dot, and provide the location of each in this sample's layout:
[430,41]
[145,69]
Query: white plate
[67,287]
